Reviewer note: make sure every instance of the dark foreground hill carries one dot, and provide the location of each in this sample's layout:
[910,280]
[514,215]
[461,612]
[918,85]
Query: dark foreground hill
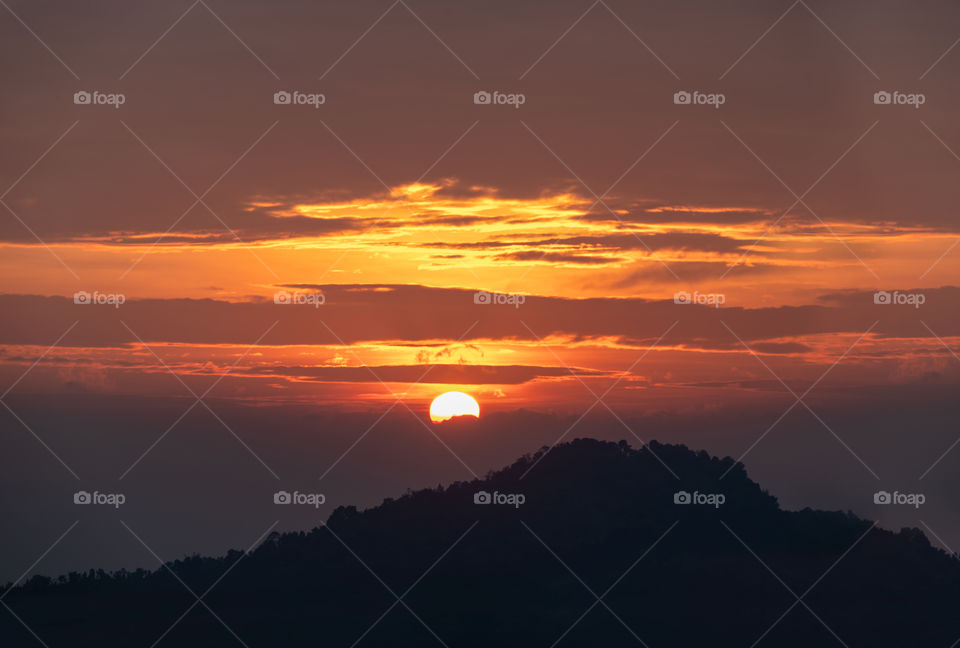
[598,554]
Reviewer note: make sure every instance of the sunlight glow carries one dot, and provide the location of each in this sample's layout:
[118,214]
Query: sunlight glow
[446,406]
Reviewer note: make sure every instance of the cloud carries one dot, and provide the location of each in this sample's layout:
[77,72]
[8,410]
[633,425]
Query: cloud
[423,374]
[406,313]
[558,257]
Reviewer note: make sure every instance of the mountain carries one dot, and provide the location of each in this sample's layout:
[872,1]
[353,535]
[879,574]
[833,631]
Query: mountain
[583,545]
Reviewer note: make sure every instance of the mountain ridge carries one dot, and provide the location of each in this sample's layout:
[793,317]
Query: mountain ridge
[599,519]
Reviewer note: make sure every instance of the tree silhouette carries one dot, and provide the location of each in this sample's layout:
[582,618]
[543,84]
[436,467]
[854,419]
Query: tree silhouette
[598,554]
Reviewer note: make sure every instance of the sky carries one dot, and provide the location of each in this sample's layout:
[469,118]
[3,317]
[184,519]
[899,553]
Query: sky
[682,217]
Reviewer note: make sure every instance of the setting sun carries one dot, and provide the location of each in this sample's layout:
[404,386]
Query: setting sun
[446,406]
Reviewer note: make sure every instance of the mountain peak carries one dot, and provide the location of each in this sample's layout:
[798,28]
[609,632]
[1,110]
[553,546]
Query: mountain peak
[680,544]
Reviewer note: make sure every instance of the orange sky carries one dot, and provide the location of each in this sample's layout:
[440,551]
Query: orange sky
[547,249]
[598,200]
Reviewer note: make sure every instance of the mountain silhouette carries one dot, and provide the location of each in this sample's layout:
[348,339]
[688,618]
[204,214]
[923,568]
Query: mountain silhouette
[592,549]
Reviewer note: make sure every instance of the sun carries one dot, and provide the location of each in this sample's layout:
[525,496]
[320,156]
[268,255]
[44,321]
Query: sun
[446,406]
